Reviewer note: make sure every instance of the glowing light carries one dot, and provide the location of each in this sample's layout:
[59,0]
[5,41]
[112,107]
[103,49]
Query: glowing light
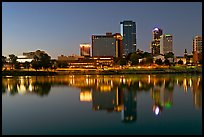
[86,96]
[157,111]
[156,29]
[148,78]
[85,45]
[168,105]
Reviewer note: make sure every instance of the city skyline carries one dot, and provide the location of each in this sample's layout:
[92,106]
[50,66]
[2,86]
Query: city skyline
[60,28]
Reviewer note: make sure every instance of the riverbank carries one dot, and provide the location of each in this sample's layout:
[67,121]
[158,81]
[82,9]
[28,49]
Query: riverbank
[27,73]
[171,70]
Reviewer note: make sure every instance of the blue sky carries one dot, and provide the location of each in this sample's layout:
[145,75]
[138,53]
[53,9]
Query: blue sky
[59,28]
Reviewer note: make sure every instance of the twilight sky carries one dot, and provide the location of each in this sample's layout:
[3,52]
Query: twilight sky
[59,28]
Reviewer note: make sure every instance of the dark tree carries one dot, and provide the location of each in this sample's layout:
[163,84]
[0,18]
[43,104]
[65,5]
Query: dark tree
[134,58]
[3,61]
[35,65]
[45,60]
[26,65]
[61,64]
[149,58]
[169,55]
[158,62]
[53,64]
[180,62]
[122,61]
[167,62]
[17,65]
[13,60]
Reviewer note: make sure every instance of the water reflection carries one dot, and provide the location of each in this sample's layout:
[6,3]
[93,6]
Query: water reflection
[112,93]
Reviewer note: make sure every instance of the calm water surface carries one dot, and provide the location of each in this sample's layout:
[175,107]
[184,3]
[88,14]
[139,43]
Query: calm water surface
[98,104]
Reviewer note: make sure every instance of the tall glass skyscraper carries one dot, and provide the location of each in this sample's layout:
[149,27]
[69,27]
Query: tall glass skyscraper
[155,43]
[128,32]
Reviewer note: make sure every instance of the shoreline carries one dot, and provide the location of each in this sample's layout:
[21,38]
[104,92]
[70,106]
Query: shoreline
[100,72]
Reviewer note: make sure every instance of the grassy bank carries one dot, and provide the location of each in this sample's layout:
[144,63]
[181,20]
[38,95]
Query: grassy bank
[27,73]
[170,70]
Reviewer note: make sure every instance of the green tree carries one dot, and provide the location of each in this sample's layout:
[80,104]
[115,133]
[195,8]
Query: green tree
[180,62]
[167,62]
[169,55]
[158,62]
[45,60]
[13,60]
[3,61]
[53,65]
[61,64]
[115,61]
[26,65]
[149,58]
[17,65]
[134,58]
[35,65]
[122,61]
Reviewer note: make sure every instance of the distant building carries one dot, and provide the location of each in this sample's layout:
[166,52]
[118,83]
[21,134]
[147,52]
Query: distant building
[119,45]
[197,49]
[128,32]
[30,55]
[92,62]
[197,44]
[155,44]
[107,45]
[160,56]
[85,49]
[23,59]
[72,57]
[166,43]
[177,58]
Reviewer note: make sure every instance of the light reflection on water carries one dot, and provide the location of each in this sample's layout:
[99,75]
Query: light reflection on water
[120,95]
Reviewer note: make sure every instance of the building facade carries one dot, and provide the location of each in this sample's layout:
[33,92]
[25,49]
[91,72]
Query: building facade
[197,49]
[166,43]
[107,45]
[197,44]
[85,49]
[128,32]
[30,55]
[155,44]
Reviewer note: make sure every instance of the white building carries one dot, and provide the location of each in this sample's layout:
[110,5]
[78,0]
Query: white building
[23,59]
[166,43]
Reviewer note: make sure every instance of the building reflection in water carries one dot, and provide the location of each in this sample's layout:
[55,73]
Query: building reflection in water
[85,95]
[162,94]
[112,93]
[129,112]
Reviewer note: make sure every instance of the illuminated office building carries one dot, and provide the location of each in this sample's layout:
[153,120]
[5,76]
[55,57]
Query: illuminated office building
[155,44]
[197,49]
[85,49]
[107,45]
[166,43]
[128,32]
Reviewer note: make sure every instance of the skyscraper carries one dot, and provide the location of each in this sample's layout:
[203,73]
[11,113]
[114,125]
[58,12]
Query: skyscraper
[107,45]
[166,43]
[85,49]
[197,44]
[155,44]
[128,32]
[197,49]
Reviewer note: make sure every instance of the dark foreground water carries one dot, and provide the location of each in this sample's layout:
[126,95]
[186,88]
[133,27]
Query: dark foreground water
[95,104]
